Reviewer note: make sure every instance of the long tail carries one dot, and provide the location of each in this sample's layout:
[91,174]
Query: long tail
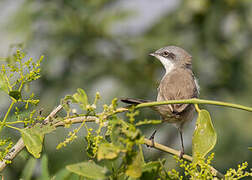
[134,101]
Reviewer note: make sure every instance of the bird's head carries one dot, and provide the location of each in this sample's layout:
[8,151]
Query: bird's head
[172,57]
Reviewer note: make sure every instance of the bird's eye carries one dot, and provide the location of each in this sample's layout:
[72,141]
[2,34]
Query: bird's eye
[168,54]
[165,53]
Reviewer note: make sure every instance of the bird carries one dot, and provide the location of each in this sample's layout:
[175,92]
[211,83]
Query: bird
[177,83]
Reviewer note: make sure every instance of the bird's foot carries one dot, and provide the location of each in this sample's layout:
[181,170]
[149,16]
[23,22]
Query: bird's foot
[181,154]
[152,139]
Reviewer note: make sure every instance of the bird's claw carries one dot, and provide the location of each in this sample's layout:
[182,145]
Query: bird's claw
[181,154]
[152,139]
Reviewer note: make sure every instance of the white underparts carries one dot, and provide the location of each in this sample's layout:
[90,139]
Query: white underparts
[197,85]
[168,65]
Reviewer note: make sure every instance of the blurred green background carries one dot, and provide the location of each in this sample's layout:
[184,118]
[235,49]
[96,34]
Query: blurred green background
[103,45]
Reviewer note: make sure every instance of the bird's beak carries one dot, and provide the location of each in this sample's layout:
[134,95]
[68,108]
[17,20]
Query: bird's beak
[153,54]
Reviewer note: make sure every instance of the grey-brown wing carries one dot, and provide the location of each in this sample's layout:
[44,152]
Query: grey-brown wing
[179,84]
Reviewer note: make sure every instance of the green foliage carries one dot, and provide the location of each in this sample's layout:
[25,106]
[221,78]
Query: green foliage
[152,170]
[107,151]
[19,73]
[239,173]
[3,83]
[203,170]
[5,146]
[115,145]
[135,164]
[44,168]
[89,170]
[114,139]
[204,136]
[71,137]
[33,137]
[81,98]
[29,168]
[16,74]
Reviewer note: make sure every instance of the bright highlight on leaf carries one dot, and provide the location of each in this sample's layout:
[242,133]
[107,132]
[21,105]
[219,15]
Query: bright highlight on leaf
[204,136]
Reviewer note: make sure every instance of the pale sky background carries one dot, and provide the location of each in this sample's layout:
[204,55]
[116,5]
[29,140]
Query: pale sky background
[146,12]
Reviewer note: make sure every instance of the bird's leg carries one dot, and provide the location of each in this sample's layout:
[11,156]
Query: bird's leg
[182,144]
[152,139]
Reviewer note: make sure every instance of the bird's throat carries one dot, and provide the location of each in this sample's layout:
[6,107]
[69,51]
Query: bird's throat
[168,65]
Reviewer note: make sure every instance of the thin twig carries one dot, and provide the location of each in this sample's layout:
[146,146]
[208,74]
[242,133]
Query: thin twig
[177,153]
[166,149]
[20,144]
[75,120]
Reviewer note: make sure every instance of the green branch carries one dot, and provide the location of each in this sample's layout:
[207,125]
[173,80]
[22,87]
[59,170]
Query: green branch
[195,101]
[6,115]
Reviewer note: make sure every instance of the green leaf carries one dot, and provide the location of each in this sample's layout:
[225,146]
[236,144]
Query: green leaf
[81,97]
[134,169]
[33,138]
[33,141]
[15,94]
[204,137]
[151,165]
[69,98]
[90,145]
[89,169]
[63,174]
[3,83]
[250,148]
[107,151]
[29,169]
[131,133]
[116,132]
[151,170]
[44,168]
[65,102]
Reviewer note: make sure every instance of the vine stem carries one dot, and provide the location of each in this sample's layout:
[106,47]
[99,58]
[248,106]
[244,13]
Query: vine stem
[6,115]
[197,108]
[14,122]
[13,127]
[195,101]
